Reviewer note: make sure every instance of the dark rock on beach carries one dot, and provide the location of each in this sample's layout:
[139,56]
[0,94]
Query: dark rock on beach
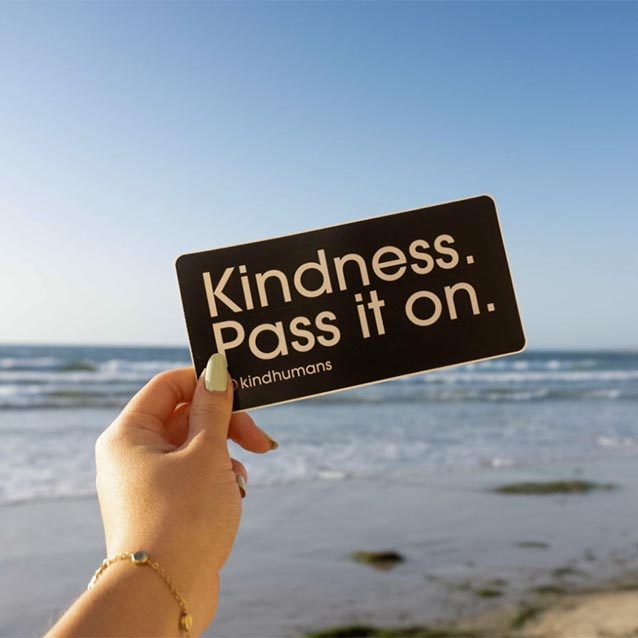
[384,560]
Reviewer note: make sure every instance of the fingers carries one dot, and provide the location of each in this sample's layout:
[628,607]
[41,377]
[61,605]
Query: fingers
[161,395]
[211,406]
[239,468]
[242,476]
[245,432]
[242,430]
[177,425]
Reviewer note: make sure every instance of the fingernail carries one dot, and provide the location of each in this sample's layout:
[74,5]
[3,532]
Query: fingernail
[216,377]
[273,444]
[241,481]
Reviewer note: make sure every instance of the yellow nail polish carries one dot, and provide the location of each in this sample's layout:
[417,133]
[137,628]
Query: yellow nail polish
[273,444]
[216,376]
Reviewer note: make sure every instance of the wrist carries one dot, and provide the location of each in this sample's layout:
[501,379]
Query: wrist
[175,585]
[184,561]
[127,600]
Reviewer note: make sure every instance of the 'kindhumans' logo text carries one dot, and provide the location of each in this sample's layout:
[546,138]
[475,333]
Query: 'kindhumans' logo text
[274,376]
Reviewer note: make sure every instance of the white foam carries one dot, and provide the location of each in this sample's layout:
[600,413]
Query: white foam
[29,362]
[617,442]
[497,462]
[530,375]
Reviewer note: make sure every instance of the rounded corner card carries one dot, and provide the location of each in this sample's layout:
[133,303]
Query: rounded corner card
[354,304]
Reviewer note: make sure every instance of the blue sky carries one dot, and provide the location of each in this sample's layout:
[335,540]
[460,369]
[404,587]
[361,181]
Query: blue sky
[132,133]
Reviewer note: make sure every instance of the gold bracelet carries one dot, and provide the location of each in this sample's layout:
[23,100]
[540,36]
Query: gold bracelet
[142,558]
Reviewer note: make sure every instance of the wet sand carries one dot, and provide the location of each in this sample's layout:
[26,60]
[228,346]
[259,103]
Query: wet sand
[469,554]
[598,615]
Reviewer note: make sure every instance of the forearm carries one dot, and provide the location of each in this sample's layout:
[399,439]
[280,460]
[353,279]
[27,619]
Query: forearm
[130,600]
[166,485]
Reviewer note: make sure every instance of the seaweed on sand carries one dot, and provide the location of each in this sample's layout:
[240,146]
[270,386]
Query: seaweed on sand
[553,487]
[367,631]
[384,560]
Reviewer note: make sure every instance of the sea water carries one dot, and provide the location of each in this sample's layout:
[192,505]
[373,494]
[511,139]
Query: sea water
[539,407]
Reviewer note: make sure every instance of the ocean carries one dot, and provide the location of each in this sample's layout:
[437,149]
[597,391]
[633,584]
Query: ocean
[535,408]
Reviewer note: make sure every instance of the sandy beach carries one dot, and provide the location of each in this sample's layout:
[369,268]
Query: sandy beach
[472,558]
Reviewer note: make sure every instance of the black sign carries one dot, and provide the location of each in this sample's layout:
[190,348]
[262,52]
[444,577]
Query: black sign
[358,303]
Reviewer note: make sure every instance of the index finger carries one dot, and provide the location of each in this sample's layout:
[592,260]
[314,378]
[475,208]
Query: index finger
[162,394]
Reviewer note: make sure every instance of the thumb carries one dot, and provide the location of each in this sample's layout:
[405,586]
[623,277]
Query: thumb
[212,405]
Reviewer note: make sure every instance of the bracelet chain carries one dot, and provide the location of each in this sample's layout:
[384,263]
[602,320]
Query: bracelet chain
[142,558]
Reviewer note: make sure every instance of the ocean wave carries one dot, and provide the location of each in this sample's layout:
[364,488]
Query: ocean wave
[51,396]
[538,363]
[73,366]
[143,371]
[497,462]
[89,372]
[100,375]
[148,367]
[383,394]
[617,442]
[53,365]
[472,376]
[27,363]
[93,377]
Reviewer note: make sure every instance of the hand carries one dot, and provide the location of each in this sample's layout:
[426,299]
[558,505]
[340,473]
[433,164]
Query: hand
[167,484]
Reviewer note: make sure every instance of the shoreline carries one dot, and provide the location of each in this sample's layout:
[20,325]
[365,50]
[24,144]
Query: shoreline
[607,612]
